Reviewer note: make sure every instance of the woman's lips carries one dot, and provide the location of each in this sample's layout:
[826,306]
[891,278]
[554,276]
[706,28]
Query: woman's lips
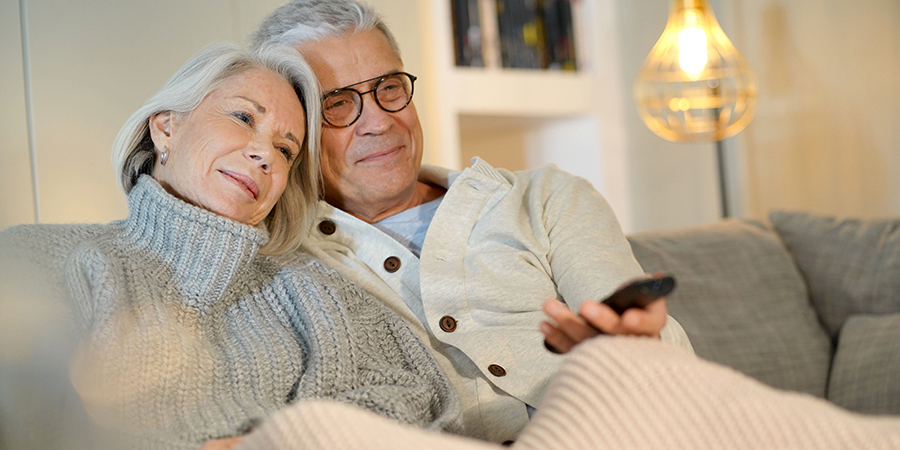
[243,181]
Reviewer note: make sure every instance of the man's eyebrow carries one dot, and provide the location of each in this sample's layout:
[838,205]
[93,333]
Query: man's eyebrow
[258,107]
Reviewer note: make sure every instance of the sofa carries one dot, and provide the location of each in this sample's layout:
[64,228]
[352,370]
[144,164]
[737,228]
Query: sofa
[803,303]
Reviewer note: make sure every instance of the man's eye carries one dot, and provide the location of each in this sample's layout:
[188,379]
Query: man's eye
[335,104]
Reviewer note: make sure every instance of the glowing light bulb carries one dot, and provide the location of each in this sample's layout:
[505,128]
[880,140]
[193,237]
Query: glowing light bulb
[692,50]
[694,86]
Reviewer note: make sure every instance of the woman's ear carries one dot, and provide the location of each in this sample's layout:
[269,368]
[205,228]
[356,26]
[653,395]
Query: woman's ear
[161,125]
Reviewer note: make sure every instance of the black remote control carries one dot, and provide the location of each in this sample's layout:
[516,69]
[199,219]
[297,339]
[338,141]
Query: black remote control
[640,293]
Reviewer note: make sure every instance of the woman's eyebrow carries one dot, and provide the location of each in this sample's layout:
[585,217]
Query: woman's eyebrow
[260,108]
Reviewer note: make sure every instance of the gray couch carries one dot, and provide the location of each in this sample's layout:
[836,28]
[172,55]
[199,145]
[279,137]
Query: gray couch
[805,303]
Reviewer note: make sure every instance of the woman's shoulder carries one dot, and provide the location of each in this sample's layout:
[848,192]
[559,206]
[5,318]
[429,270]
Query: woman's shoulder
[47,241]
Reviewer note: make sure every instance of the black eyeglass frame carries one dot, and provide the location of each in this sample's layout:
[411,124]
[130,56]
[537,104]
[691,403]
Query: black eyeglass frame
[349,87]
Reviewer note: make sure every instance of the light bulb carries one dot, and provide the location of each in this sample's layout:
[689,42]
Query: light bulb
[694,86]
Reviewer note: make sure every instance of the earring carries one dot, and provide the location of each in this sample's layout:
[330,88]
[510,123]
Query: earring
[164,155]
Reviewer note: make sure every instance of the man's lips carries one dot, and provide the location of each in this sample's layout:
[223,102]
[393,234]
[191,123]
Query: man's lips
[380,155]
[243,181]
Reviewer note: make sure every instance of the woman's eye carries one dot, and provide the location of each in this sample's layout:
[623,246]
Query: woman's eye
[244,117]
[286,152]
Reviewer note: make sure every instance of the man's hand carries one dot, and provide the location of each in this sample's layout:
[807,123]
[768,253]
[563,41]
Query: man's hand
[595,317]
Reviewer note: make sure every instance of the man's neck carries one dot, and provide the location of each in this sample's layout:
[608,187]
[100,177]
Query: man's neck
[422,193]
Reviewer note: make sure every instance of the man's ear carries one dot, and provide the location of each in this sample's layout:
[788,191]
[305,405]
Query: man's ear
[161,127]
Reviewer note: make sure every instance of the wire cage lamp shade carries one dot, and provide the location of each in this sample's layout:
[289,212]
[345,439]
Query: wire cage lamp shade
[694,86]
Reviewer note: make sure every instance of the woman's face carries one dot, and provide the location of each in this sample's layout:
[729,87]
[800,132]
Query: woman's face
[233,153]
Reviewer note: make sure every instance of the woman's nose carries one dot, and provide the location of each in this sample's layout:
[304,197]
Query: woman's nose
[261,155]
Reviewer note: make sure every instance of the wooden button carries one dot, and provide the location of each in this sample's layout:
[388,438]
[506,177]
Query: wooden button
[448,324]
[497,371]
[327,227]
[392,264]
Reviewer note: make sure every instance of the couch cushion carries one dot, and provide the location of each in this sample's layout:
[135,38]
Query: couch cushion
[741,301]
[865,375]
[851,266]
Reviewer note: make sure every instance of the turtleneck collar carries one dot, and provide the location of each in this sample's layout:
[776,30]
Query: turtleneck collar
[204,250]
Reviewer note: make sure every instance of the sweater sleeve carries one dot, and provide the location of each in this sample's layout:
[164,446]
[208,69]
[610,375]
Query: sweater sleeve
[589,254]
[387,369]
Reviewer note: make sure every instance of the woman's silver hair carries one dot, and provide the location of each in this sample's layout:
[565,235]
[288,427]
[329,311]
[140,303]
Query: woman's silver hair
[302,21]
[134,154]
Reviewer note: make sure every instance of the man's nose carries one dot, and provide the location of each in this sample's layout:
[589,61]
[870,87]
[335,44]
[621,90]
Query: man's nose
[373,119]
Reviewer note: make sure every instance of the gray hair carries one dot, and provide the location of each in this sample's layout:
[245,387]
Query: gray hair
[134,154]
[302,21]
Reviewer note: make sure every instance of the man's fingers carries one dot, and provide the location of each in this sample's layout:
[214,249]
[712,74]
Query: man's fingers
[556,339]
[600,316]
[644,322]
[573,326]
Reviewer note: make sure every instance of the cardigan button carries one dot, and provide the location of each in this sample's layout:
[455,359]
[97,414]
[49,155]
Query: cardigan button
[448,324]
[327,227]
[497,371]
[392,264]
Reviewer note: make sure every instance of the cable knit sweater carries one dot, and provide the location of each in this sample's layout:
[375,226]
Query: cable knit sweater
[187,333]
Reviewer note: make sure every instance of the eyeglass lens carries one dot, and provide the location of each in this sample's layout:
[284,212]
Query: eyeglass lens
[341,108]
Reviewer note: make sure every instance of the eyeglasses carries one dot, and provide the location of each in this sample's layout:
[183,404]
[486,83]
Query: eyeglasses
[392,92]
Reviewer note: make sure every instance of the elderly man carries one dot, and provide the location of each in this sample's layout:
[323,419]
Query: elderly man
[470,258]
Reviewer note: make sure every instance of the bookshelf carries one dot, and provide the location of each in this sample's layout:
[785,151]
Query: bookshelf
[525,118]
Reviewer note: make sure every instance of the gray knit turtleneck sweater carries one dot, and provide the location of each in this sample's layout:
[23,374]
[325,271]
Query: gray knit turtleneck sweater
[186,333]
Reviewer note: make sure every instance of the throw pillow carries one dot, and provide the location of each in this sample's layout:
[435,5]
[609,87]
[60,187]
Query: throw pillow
[741,301]
[851,266]
[864,376]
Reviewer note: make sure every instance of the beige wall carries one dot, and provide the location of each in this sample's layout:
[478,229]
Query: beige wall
[16,205]
[826,137]
[92,64]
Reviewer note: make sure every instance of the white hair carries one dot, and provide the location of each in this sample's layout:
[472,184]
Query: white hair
[134,154]
[302,21]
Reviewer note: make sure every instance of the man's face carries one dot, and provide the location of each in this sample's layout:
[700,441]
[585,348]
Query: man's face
[372,165]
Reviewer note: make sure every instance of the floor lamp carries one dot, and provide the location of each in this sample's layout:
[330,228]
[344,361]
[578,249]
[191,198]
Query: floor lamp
[694,86]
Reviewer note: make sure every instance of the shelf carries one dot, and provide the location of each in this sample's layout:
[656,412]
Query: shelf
[523,93]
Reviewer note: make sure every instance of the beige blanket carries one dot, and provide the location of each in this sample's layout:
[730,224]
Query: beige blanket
[614,393]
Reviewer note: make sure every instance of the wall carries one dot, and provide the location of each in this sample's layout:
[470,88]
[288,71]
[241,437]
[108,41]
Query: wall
[826,137]
[92,63]
[16,203]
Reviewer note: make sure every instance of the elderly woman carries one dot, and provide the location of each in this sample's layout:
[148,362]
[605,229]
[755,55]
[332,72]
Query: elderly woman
[194,316]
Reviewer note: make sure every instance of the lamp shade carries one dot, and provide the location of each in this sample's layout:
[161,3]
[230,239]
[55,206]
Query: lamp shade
[694,86]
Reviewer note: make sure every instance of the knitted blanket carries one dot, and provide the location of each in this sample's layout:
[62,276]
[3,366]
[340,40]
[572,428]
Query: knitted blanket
[615,393]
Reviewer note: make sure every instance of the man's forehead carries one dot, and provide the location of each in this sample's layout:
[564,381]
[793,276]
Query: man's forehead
[349,59]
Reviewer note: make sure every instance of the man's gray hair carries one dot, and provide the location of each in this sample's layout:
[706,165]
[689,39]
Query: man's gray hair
[303,21]
[134,154]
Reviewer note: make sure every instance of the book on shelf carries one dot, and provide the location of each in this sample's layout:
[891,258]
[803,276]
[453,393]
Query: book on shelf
[521,34]
[467,33]
[560,34]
